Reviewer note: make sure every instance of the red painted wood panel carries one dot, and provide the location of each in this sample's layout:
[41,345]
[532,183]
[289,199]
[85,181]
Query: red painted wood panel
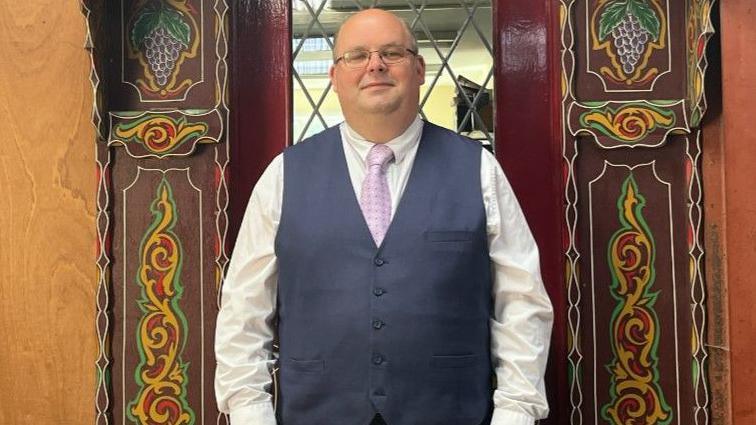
[260,93]
[528,145]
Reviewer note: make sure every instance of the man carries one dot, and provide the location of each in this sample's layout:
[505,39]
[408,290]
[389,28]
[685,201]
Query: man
[392,261]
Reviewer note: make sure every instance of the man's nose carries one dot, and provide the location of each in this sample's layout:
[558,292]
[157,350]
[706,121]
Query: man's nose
[375,63]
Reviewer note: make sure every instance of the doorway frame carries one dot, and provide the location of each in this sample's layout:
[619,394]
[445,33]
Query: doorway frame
[528,129]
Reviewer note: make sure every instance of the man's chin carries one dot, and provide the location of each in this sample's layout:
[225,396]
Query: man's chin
[379,107]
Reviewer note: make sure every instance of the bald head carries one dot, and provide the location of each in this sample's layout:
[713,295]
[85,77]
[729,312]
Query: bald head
[371,14]
[380,97]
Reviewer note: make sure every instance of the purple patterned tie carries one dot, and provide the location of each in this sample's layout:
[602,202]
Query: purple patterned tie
[375,199]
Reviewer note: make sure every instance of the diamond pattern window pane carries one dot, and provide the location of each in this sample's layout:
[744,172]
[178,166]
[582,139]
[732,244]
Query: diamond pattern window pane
[454,37]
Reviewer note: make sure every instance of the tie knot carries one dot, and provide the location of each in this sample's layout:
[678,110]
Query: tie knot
[379,155]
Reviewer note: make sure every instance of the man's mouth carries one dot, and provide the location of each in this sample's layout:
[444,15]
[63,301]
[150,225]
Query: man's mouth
[378,84]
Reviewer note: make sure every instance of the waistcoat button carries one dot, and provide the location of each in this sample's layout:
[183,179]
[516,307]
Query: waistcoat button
[377,324]
[377,359]
[378,291]
[379,261]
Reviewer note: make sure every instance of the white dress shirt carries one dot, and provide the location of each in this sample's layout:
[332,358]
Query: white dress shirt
[522,312]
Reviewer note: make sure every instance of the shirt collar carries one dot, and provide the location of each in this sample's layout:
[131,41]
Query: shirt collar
[400,145]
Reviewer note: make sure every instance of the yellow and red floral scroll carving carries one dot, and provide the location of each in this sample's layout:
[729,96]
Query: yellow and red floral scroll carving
[636,398]
[630,123]
[164,134]
[161,335]
[161,134]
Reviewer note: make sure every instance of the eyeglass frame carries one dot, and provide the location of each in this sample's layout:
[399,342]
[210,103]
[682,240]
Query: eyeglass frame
[370,54]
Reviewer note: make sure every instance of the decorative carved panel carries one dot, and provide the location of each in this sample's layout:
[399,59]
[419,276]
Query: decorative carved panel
[165,53]
[632,78]
[160,79]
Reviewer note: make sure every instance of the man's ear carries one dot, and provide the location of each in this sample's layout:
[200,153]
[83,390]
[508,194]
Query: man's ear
[420,68]
[331,72]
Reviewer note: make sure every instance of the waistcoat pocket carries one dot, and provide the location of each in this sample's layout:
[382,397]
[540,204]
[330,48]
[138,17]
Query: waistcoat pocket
[450,241]
[456,361]
[305,366]
[449,236]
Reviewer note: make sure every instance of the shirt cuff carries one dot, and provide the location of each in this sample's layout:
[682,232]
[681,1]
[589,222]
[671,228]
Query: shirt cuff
[503,416]
[254,414]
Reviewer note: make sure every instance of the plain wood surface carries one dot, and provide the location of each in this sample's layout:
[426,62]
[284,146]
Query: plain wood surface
[738,154]
[715,267]
[47,204]
[715,228]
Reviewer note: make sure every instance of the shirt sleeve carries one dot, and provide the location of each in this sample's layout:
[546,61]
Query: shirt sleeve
[245,327]
[523,315]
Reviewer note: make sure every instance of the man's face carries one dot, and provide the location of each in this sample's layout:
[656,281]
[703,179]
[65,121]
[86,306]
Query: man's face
[376,88]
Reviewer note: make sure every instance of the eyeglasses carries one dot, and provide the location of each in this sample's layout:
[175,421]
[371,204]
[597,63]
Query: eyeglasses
[359,58]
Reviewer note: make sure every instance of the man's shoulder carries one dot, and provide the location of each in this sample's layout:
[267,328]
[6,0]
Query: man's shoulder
[436,132]
[314,142]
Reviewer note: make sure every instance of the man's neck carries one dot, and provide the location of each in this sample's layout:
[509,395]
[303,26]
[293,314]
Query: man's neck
[380,128]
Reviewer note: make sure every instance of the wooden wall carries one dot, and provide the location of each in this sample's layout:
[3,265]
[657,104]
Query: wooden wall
[731,211]
[47,204]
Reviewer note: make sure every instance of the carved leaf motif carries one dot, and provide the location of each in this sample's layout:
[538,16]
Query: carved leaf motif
[175,24]
[147,21]
[611,17]
[646,17]
[153,17]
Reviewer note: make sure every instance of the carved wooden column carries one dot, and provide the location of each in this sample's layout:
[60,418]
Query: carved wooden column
[632,86]
[160,79]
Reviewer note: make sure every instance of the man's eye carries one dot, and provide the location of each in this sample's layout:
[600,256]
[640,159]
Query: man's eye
[356,55]
[392,54]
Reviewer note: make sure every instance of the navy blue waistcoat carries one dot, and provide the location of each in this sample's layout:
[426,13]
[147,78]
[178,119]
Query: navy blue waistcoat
[401,329]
